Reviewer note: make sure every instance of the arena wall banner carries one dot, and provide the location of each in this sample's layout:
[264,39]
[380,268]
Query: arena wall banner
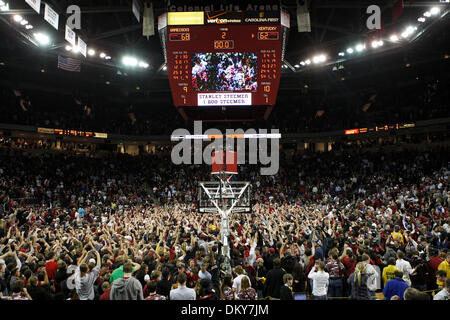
[35,4]
[51,16]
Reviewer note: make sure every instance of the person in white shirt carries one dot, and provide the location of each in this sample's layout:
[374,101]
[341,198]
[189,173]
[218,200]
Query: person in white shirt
[182,292]
[372,273]
[444,294]
[404,266]
[320,281]
[237,281]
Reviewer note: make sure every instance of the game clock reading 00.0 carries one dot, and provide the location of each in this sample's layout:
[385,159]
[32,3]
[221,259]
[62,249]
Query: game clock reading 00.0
[223,44]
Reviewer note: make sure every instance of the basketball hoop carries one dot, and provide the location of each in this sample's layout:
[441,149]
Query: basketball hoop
[224,196]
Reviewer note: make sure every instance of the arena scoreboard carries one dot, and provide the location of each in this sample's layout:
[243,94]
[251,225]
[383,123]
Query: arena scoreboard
[227,58]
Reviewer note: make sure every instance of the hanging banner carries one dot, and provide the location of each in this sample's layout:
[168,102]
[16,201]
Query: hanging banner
[51,16]
[137,10]
[35,4]
[70,36]
[148,28]
[82,46]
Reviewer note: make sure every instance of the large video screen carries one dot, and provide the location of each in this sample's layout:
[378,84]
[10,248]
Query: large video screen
[224,71]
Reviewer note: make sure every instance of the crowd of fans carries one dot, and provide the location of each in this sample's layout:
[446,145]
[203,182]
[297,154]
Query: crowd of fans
[306,110]
[346,224]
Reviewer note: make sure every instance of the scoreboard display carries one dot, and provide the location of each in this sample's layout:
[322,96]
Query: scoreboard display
[224,58]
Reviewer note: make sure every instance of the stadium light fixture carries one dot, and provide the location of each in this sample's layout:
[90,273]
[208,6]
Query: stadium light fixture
[18,18]
[350,50]
[422,19]
[4,7]
[164,68]
[68,48]
[29,26]
[302,63]
[76,49]
[394,38]
[308,62]
[102,55]
[427,14]
[130,61]
[108,58]
[24,22]
[341,54]
[435,10]
[91,52]
[360,47]
[42,38]
[143,64]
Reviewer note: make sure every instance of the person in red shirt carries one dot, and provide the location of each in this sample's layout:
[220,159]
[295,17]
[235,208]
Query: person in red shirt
[432,266]
[106,287]
[51,266]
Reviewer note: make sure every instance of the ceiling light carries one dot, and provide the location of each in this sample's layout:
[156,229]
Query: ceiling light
[316,59]
[102,55]
[349,50]
[43,39]
[68,48]
[107,58]
[24,22]
[18,18]
[4,7]
[302,63]
[91,52]
[374,44]
[427,14]
[394,38]
[360,47]
[143,64]
[421,19]
[164,68]
[129,61]
[341,54]
[28,27]
[76,49]
[308,61]
[435,10]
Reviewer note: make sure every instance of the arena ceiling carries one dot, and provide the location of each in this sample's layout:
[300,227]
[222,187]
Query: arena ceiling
[110,26]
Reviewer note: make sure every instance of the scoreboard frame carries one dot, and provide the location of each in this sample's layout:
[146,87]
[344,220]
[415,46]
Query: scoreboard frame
[260,33]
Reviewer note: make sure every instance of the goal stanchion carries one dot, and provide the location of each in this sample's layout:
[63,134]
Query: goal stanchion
[224,196]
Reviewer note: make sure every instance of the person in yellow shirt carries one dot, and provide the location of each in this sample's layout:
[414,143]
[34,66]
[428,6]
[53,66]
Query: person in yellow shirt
[388,272]
[397,235]
[445,266]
